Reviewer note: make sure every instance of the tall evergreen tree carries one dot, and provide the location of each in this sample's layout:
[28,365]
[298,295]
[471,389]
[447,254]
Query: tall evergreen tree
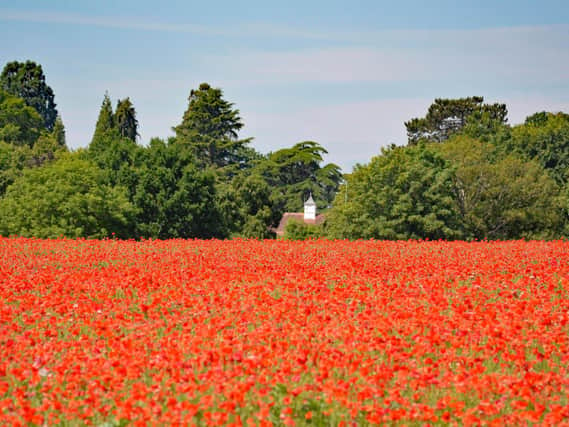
[27,81]
[125,119]
[105,122]
[210,128]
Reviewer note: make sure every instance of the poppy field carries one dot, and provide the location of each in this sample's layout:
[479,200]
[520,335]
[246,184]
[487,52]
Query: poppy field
[249,332]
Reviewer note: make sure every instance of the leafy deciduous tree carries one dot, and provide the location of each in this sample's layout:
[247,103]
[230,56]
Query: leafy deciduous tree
[68,197]
[175,199]
[405,193]
[500,195]
[545,138]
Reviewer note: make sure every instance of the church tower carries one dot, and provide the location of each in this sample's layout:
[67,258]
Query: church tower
[310,209]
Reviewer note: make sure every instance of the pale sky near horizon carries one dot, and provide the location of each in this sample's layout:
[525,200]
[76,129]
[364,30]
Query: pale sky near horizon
[344,74]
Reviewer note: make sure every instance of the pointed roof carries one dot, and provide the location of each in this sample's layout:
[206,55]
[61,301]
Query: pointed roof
[310,201]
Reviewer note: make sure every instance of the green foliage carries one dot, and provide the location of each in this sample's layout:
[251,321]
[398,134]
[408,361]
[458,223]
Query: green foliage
[487,181]
[405,193]
[248,208]
[174,198]
[125,119]
[13,159]
[12,162]
[545,138]
[117,156]
[296,230]
[68,197]
[447,117]
[19,124]
[27,81]
[209,129]
[105,125]
[500,195]
[295,172]
[59,132]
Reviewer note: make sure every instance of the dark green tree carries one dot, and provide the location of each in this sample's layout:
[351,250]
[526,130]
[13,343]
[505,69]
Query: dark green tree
[27,81]
[20,125]
[447,117]
[248,207]
[175,199]
[125,119]
[210,127]
[296,172]
[404,193]
[116,154]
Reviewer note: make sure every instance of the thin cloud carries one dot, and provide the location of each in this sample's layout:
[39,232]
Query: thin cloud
[390,37]
[105,21]
[130,23]
[517,55]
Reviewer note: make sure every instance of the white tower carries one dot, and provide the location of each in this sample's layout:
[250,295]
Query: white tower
[310,209]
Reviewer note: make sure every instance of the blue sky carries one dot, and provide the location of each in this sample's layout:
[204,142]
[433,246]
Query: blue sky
[344,74]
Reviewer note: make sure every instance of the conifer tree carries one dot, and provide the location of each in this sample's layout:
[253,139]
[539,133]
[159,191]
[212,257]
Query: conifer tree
[125,119]
[105,122]
[209,128]
[27,81]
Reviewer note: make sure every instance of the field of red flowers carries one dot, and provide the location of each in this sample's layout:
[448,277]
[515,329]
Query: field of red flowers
[276,332]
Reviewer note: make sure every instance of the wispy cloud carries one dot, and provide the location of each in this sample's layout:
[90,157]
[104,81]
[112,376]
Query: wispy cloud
[516,55]
[389,37]
[248,29]
[105,21]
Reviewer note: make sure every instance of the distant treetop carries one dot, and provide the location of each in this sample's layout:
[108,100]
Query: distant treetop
[27,81]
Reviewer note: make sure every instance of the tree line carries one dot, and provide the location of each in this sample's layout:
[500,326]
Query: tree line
[204,182]
[465,173]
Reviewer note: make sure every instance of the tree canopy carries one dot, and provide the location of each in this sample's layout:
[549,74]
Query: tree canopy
[27,81]
[19,123]
[210,127]
[447,117]
[297,171]
[125,119]
[404,193]
[499,194]
[544,137]
[464,174]
[65,198]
